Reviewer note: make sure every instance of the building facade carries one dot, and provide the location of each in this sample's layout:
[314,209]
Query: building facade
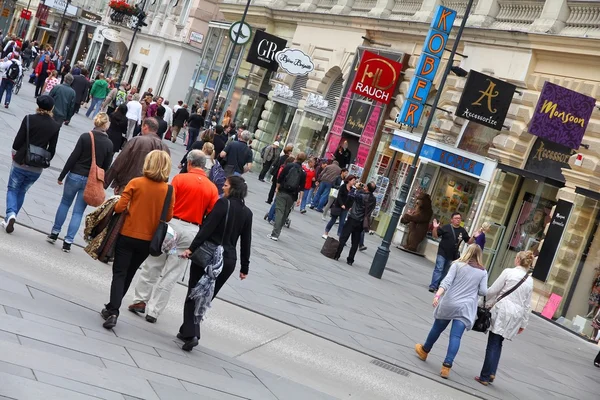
[509,178]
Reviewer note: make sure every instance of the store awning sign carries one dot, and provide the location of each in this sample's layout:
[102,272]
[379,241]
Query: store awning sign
[60,5]
[440,156]
[485,100]
[376,78]
[90,16]
[562,115]
[111,35]
[295,62]
[420,84]
[547,159]
[263,49]
[552,240]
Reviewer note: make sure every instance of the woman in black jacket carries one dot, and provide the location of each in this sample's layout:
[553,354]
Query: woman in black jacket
[117,132]
[78,167]
[341,206]
[220,225]
[195,123]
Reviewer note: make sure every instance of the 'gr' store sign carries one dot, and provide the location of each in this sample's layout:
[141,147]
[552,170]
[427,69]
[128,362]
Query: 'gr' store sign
[420,85]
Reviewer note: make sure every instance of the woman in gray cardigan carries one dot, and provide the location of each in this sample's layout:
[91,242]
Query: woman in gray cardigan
[466,280]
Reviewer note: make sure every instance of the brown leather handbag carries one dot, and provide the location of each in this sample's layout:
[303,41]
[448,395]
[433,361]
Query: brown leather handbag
[93,193]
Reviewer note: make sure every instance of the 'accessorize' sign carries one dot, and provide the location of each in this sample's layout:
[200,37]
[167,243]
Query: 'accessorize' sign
[376,77]
[562,115]
[485,100]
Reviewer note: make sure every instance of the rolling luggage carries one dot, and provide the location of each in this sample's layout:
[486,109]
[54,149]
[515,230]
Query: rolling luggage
[330,247]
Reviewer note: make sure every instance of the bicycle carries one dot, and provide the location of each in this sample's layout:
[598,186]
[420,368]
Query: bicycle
[17,85]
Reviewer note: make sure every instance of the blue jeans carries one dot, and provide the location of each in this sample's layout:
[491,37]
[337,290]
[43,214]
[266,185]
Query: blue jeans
[456,332]
[74,187]
[492,356]
[340,226]
[6,85]
[305,198]
[192,137]
[442,265]
[320,198]
[19,182]
[271,216]
[96,103]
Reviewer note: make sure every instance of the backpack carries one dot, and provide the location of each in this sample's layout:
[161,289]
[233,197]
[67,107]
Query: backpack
[217,176]
[13,71]
[263,151]
[293,179]
[121,98]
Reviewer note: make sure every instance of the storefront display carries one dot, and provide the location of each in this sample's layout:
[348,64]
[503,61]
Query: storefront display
[452,193]
[312,129]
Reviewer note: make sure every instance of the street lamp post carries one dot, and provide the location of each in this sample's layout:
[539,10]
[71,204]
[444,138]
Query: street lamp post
[383,251]
[62,24]
[227,64]
[139,22]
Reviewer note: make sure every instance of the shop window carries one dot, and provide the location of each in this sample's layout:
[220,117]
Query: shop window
[311,134]
[133,70]
[163,78]
[453,193]
[185,12]
[141,81]
[477,138]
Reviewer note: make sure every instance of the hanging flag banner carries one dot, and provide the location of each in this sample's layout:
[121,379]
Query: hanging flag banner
[485,100]
[420,84]
[376,77]
[562,115]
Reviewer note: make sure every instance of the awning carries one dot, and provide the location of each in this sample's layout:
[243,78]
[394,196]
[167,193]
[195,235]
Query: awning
[44,28]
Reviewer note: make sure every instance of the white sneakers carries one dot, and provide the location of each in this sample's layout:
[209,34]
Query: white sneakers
[9,225]
[274,238]
[324,236]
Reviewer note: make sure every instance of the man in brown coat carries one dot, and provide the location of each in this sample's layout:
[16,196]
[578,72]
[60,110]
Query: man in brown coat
[130,162]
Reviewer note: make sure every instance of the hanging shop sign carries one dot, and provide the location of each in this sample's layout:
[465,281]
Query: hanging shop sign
[295,62]
[485,100]
[263,49]
[562,115]
[111,35]
[245,32]
[376,77]
[317,101]
[552,240]
[548,159]
[26,15]
[420,84]
[60,5]
[283,91]
[440,156]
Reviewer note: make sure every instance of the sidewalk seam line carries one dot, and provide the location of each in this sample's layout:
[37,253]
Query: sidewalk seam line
[265,343]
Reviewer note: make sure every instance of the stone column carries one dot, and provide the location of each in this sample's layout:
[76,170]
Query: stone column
[425,14]
[553,18]
[308,5]
[383,9]
[342,7]
[485,13]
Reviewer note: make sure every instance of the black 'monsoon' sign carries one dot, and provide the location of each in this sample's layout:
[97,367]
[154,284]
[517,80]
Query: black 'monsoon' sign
[485,100]
[263,49]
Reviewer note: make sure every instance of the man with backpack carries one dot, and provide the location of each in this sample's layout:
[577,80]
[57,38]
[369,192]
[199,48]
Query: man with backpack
[238,156]
[13,72]
[269,155]
[290,182]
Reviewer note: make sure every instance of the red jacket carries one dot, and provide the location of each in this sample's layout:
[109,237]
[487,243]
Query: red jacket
[38,69]
[310,175]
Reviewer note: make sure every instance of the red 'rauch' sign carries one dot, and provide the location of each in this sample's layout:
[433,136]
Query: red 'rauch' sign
[376,77]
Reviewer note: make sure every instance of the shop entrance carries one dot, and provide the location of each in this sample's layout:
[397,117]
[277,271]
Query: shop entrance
[527,215]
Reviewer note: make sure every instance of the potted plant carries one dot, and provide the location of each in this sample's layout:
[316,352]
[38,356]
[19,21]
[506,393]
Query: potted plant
[122,7]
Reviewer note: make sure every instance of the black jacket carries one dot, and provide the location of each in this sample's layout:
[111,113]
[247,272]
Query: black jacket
[180,117]
[343,158]
[162,127]
[364,204]
[195,121]
[283,176]
[344,198]
[43,132]
[219,141]
[81,86]
[239,224]
[117,131]
[80,160]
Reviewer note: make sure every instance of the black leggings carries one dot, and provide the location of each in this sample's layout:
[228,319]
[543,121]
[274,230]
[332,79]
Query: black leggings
[189,328]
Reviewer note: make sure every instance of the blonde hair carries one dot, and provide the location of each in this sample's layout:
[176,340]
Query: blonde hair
[54,73]
[208,149]
[473,253]
[44,112]
[485,226]
[525,258]
[157,166]
[101,119]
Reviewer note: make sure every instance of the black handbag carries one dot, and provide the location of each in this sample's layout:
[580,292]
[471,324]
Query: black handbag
[484,314]
[335,211]
[203,255]
[35,156]
[161,230]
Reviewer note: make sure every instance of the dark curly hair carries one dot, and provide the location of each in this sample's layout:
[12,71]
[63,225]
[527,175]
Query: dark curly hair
[237,188]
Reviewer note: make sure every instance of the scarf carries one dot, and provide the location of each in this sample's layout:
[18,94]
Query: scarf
[203,292]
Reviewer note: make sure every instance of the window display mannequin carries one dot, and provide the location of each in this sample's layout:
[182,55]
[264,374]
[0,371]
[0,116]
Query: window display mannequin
[594,299]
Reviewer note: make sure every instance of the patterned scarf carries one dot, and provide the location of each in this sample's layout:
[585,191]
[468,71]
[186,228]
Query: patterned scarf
[203,292]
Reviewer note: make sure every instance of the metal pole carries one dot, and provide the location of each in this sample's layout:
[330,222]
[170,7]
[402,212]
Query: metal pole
[135,31]
[60,30]
[227,63]
[383,251]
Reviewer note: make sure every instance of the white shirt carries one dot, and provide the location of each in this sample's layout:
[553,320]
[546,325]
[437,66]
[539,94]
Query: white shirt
[168,114]
[512,312]
[134,111]
[5,64]
[177,107]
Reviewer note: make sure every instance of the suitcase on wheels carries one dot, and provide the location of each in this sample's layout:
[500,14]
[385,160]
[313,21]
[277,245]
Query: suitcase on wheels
[330,247]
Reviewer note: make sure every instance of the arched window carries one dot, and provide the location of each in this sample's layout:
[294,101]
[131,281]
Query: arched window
[163,78]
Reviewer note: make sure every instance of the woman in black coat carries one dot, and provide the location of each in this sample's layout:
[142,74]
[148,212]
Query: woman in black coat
[341,206]
[117,132]
[220,225]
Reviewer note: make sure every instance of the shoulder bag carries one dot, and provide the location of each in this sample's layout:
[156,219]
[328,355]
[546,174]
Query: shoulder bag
[93,194]
[161,230]
[35,156]
[484,314]
[203,255]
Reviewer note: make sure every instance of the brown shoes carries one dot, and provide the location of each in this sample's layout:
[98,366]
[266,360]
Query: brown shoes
[421,353]
[445,373]
[138,307]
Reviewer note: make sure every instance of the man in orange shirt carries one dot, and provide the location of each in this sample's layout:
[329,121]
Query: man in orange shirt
[195,196]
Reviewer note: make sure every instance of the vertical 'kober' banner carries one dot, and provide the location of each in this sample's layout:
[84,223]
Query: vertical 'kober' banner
[420,85]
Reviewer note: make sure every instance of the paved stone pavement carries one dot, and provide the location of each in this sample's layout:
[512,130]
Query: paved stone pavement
[54,347]
[291,282]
